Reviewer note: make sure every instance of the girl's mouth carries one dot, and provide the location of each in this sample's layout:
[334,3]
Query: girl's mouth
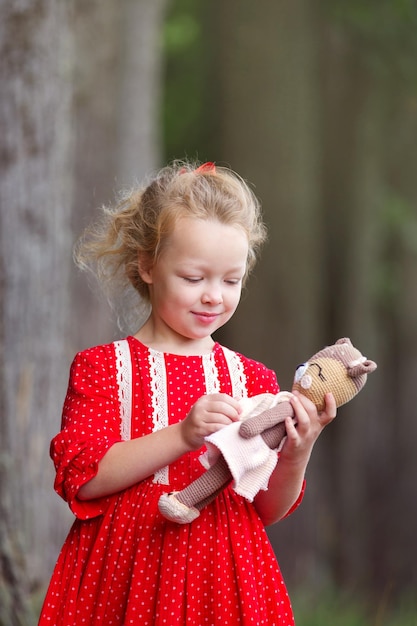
[206,318]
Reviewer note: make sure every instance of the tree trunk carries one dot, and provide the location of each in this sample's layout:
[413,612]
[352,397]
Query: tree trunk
[35,194]
[393,474]
[269,116]
[48,47]
[117,95]
[268,111]
[139,140]
[303,113]
[356,113]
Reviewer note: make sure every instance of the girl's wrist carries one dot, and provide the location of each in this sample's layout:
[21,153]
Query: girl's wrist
[296,463]
[185,442]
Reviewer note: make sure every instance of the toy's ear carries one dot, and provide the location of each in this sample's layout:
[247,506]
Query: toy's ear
[343,340]
[359,369]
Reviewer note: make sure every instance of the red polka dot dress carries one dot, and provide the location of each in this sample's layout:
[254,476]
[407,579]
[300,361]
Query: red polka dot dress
[122,562]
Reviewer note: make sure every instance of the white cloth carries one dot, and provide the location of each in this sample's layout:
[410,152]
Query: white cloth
[250,461]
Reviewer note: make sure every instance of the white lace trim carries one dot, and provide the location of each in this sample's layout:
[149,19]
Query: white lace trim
[159,391]
[211,373]
[159,395]
[124,383]
[237,373]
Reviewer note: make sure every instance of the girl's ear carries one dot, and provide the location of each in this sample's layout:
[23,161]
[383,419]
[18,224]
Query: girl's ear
[145,267]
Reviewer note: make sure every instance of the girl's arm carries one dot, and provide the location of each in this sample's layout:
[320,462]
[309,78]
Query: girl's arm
[129,462]
[287,479]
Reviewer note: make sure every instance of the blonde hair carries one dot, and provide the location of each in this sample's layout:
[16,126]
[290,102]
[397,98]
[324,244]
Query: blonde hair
[143,218]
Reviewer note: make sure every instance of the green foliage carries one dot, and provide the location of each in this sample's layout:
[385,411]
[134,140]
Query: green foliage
[386,31]
[399,239]
[336,608]
[401,220]
[185,82]
[181,33]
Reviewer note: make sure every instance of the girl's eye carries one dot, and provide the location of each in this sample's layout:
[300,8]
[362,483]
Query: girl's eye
[233,281]
[190,279]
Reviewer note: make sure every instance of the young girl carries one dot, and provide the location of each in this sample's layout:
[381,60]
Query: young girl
[137,412]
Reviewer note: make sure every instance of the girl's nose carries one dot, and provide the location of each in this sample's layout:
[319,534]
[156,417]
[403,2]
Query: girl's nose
[212,295]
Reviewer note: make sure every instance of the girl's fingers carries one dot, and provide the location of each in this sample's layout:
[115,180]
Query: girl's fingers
[220,418]
[224,411]
[290,427]
[301,412]
[330,410]
[307,413]
[224,404]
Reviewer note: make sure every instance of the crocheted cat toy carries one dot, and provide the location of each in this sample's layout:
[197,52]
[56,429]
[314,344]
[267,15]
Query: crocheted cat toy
[245,452]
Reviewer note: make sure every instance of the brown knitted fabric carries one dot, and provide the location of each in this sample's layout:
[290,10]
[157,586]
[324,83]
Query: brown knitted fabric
[212,482]
[339,369]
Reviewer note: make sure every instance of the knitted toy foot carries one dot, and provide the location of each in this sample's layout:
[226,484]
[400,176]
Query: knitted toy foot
[176,511]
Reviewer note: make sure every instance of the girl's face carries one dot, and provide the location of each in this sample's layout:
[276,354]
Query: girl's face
[196,283]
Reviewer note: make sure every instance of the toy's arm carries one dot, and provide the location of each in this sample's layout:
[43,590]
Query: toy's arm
[267,419]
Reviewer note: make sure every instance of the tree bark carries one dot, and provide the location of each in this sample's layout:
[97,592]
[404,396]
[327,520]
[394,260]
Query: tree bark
[356,110]
[64,146]
[117,94]
[268,111]
[393,474]
[303,111]
[269,116]
[35,195]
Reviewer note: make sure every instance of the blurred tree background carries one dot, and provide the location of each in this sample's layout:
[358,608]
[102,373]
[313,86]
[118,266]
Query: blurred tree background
[315,103]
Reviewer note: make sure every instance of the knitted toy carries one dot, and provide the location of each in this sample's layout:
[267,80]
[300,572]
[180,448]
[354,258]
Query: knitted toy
[245,452]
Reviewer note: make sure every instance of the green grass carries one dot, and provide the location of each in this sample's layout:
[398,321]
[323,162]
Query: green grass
[334,608]
[327,608]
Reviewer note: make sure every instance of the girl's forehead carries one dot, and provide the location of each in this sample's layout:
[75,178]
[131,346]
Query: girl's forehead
[194,226]
[193,237]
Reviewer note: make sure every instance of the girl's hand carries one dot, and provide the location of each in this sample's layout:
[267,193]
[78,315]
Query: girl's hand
[301,439]
[286,481]
[209,414]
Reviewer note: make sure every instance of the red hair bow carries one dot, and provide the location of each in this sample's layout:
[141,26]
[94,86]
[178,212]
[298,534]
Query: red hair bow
[202,169]
[206,167]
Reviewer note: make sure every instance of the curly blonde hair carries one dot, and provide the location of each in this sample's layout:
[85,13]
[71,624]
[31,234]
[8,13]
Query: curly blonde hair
[143,218]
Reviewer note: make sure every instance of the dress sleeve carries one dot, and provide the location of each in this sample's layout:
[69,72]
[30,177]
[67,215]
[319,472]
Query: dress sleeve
[90,426]
[259,378]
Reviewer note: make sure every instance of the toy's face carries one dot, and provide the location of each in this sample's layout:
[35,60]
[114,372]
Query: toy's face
[321,375]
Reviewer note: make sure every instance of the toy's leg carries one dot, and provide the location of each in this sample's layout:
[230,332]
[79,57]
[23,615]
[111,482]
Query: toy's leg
[273,436]
[184,506]
[206,487]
